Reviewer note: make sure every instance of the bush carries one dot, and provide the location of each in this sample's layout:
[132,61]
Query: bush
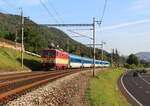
[140,66]
[127,66]
[133,66]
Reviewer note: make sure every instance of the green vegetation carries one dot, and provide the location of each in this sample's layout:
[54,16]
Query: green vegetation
[103,90]
[117,59]
[132,59]
[10,60]
[132,62]
[38,37]
[146,64]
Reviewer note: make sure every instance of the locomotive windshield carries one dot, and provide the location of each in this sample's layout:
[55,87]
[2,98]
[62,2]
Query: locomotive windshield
[52,53]
[45,53]
[48,53]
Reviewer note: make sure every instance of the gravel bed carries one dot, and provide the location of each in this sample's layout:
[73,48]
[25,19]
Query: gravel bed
[66,91]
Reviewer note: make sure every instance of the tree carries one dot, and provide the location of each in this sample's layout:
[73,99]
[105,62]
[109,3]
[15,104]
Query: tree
[132,59]
[39,37]
[145,63]
[116,57]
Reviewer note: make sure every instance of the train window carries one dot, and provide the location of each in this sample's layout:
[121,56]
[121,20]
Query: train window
[45,53]
[52,53]
[75,60]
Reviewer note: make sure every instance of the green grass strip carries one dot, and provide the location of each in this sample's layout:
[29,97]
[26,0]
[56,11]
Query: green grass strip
[10,60]
[103,89]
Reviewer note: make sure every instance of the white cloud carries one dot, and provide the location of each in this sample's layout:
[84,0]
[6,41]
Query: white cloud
[126,24]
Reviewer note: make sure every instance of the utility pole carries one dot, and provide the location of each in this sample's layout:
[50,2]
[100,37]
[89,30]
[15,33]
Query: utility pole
[102,44]
[22,37]
[112,57]
[16,34]
[102,52]
[93,47]
[68,45]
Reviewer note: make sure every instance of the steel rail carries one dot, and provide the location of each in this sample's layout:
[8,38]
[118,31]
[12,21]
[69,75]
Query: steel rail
[36,82]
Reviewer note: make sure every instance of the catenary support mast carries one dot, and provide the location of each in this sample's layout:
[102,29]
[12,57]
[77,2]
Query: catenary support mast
[22,37]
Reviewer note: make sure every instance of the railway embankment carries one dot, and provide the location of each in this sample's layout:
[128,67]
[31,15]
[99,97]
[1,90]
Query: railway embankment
[65,91]
[79,89]
[10,60]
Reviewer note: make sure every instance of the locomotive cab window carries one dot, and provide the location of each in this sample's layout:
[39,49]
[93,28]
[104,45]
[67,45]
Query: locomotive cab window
[45,53]
[52,53]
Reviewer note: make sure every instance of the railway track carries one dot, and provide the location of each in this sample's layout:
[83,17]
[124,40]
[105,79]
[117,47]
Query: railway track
[16,84]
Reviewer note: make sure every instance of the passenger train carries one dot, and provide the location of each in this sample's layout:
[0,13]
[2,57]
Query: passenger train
[57,59]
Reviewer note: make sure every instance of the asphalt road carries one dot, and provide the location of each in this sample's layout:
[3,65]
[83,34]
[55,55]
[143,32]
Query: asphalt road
[138,87]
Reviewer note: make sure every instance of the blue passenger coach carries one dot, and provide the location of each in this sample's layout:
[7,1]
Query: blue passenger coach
[76,61]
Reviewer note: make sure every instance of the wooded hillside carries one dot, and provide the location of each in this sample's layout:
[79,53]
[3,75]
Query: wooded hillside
[37,37]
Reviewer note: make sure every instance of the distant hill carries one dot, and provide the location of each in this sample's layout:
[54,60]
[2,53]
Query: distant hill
[37,37]
[143,56]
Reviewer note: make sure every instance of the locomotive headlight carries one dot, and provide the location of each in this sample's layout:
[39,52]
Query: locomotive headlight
[51,61]
[44,60]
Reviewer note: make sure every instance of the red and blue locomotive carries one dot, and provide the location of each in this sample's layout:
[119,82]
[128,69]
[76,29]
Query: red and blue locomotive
[54,58]
[57,59]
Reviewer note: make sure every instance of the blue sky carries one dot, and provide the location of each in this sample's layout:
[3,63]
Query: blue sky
[126,24]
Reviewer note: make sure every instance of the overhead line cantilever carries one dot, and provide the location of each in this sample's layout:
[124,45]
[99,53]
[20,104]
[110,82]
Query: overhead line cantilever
[68,25]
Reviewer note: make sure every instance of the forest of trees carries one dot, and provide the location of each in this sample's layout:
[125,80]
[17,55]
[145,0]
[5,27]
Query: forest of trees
[37,37]
[133,62]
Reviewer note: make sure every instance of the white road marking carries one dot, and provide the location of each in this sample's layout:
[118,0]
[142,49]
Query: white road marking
[146,76]
[140,87]
[129,92]
[144,79]
[147,92]
[135,82]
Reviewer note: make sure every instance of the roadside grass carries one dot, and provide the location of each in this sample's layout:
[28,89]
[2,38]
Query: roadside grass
[10,60]
[103,89]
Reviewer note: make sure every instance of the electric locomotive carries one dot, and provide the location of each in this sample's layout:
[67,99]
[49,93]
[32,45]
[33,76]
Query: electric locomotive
[54,58]
[57,59]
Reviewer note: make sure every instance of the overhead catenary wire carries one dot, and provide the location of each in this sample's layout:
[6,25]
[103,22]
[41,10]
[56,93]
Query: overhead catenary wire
[81,35]
[56,12]
[83,29]
[102,17]
[48,11]
[103,12]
